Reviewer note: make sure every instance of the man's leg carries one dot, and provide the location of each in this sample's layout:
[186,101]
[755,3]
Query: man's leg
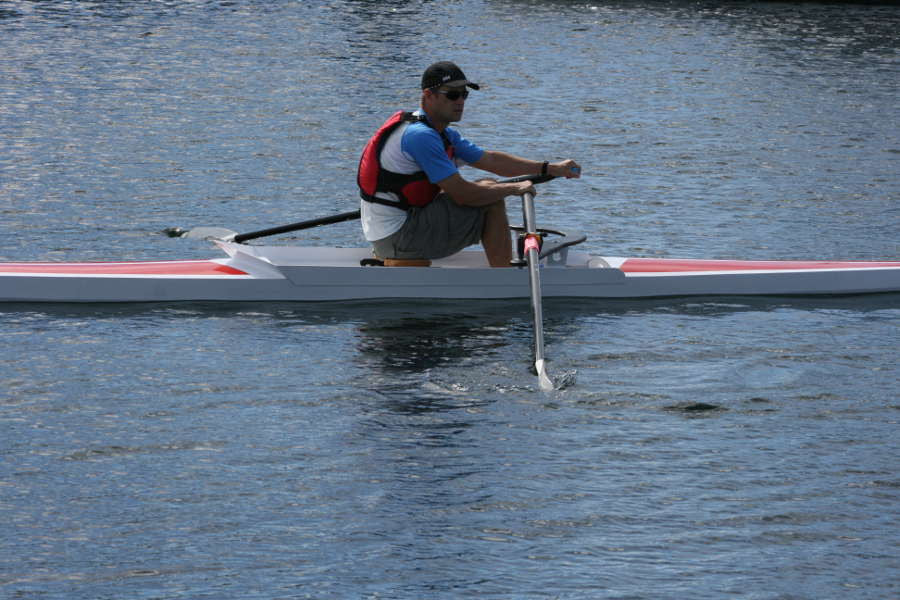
[437,230]
[495,235]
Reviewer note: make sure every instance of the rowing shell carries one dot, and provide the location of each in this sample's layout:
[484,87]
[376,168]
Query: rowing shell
[292,273]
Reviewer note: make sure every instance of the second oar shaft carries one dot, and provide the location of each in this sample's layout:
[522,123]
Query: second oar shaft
[347,216]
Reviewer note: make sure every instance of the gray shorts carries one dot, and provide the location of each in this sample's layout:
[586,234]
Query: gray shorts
[436,230]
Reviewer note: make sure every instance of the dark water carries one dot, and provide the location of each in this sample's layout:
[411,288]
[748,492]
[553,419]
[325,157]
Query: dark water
[709,449]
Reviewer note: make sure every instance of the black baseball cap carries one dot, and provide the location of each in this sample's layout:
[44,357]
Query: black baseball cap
[445,73]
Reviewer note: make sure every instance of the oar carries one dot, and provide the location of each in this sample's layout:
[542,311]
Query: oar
[532,253]
[232,236]
[347,216]
[222,233]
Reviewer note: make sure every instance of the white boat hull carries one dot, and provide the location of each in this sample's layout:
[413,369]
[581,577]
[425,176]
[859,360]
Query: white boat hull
[288,273]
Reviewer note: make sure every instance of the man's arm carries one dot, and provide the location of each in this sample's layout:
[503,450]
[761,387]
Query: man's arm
[509,165]
[483,192]
[486,191]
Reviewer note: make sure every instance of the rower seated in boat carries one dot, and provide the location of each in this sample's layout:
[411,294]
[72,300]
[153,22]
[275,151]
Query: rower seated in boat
[415,204]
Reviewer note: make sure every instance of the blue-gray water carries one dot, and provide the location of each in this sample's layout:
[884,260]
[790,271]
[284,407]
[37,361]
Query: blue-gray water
[708,449]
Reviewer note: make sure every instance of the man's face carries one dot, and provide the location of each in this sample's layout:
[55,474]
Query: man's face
[449,102]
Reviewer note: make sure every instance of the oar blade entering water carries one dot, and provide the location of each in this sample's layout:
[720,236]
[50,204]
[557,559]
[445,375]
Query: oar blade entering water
[558,382]
[544,380]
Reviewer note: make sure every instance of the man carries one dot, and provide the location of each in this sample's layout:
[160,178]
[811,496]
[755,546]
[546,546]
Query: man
[415,203]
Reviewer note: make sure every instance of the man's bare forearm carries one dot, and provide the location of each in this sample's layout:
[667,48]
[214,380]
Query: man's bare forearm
[487,191]
[483,192]
[507,165]
[510,165]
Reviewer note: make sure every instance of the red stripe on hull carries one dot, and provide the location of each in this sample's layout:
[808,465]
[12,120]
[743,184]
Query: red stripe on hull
[179,267]
[671,265]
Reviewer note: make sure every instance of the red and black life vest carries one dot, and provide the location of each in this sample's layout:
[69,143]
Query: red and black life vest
[412,189]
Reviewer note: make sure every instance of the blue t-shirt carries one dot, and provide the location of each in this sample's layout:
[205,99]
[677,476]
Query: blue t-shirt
[424,145]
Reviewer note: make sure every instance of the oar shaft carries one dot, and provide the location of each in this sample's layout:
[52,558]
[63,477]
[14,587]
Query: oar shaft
[347,216]
[536,304]
[532,253]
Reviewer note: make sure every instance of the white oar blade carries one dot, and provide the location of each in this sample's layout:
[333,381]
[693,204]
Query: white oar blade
[543,378]
[210,233]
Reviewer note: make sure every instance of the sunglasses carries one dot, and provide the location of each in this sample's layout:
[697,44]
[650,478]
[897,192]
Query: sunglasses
[454,95]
